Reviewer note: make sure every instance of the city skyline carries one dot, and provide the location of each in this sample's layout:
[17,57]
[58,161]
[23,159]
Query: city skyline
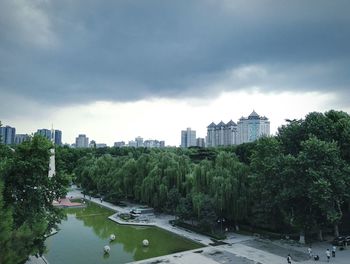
[116,70]
[202,129]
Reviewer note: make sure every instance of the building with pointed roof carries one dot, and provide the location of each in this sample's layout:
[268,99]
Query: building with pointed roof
[247,129]
[210,139]
[252,127]
[221,134]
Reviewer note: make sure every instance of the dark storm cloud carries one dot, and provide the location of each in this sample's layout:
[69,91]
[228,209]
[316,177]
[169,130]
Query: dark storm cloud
[65,52]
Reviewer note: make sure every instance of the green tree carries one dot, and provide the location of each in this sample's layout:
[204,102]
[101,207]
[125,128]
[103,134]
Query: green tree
[173,200]
[184,209]
[30,193]
[328,178]
[7,255]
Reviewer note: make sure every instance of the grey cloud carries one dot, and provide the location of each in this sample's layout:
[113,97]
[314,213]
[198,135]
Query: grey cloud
[66,52]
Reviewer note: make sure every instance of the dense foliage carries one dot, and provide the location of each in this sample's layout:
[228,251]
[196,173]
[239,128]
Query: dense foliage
[26,195]
[296,181]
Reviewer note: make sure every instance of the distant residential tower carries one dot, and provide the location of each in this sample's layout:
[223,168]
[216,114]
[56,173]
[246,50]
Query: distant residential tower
[7,135]
[53,135]
[247,129]
[188,138]
[82,141]
[252,127]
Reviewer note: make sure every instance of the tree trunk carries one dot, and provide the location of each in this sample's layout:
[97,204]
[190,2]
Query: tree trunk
[320,235]
[302,237]
[336,230]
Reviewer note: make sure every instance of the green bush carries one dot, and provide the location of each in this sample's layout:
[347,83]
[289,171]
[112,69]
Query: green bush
[217,236]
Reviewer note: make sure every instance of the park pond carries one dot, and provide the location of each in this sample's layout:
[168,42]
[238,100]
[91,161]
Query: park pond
[86,231]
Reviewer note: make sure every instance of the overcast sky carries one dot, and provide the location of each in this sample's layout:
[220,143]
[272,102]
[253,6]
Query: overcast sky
[115,70]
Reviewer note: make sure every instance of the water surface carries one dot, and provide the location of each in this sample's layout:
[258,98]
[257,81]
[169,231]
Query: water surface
[87,230]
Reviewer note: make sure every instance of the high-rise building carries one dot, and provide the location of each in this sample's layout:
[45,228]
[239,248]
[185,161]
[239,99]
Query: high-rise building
[92,144]
[44,132]
[7,135]
[162,144]
[55,135]
[252,127]
[221,134]
[139,142]
[188,138]
[58,137]
[82,141]
[132,143]
[119,144]
[20,138]
[200,142]
[246,130]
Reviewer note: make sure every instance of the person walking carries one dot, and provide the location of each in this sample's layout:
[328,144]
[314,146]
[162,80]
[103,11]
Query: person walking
[328,254]
[289,259]
[309,250]
[333,251]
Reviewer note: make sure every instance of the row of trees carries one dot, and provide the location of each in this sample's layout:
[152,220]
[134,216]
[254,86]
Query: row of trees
[26,196]
[296,181]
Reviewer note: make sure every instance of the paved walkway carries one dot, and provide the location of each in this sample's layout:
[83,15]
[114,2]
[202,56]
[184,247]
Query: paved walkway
[65,202]
[35,260]
[239,250]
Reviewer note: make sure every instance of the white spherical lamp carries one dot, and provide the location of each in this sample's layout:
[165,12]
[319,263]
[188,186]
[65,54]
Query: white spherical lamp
[106,249]
[145,243]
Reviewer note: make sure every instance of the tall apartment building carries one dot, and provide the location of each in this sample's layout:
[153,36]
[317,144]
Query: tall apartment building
[132,143]
[139,142]
[188,138]
[252,127]
[92,144]
[20,138]
[221,134]
[82,141]
[7,135]
[247,129]
[56,136]
[200,142]
[44,132]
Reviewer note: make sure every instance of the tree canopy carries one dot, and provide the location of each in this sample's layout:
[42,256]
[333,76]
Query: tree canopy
[26,199]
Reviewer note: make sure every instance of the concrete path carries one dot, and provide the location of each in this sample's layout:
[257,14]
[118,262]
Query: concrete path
[35,260]
[253,254]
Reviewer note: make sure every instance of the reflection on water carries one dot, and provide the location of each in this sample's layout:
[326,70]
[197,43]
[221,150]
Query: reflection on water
[87,230]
